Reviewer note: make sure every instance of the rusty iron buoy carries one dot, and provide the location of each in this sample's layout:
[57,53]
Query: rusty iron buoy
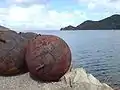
[48,57]
[12,53]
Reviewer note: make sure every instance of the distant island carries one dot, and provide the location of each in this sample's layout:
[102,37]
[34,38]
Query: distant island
[109,23]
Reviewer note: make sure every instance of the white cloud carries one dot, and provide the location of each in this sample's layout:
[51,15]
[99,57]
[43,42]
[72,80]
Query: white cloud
[17,14]
[38,17]
[19,1]
[27,2]
[102,5]
[100,9]
[91,5]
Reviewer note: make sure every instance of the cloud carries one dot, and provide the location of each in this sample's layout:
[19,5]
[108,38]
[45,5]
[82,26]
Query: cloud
[38,14]
[102,5]
[24,2]
[100,9]
[38,17]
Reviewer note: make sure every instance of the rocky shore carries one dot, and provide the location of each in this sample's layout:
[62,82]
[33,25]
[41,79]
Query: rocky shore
[74,79]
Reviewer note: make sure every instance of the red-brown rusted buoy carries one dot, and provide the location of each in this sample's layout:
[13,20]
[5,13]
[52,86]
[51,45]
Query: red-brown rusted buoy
[11,53]
[48,57]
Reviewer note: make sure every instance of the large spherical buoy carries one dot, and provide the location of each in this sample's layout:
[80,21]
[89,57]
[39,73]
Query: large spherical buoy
[11,53]
[48,57]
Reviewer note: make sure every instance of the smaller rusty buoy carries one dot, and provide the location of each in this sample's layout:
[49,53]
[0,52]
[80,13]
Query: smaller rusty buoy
[48,57]
[11,53]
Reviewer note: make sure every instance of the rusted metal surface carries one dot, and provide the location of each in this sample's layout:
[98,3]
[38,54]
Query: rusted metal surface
[48,57]
[11,53]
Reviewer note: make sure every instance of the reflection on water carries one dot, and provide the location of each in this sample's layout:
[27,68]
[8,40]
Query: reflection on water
[97,51]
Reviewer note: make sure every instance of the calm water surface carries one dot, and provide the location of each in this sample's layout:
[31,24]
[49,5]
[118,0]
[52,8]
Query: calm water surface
[96,51]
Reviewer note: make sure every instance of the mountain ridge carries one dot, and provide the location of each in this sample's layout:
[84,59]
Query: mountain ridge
[111,22]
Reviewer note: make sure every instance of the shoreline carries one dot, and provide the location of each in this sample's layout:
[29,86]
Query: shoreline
[74,79]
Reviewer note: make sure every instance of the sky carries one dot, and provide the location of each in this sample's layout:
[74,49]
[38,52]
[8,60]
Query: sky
[53,14]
